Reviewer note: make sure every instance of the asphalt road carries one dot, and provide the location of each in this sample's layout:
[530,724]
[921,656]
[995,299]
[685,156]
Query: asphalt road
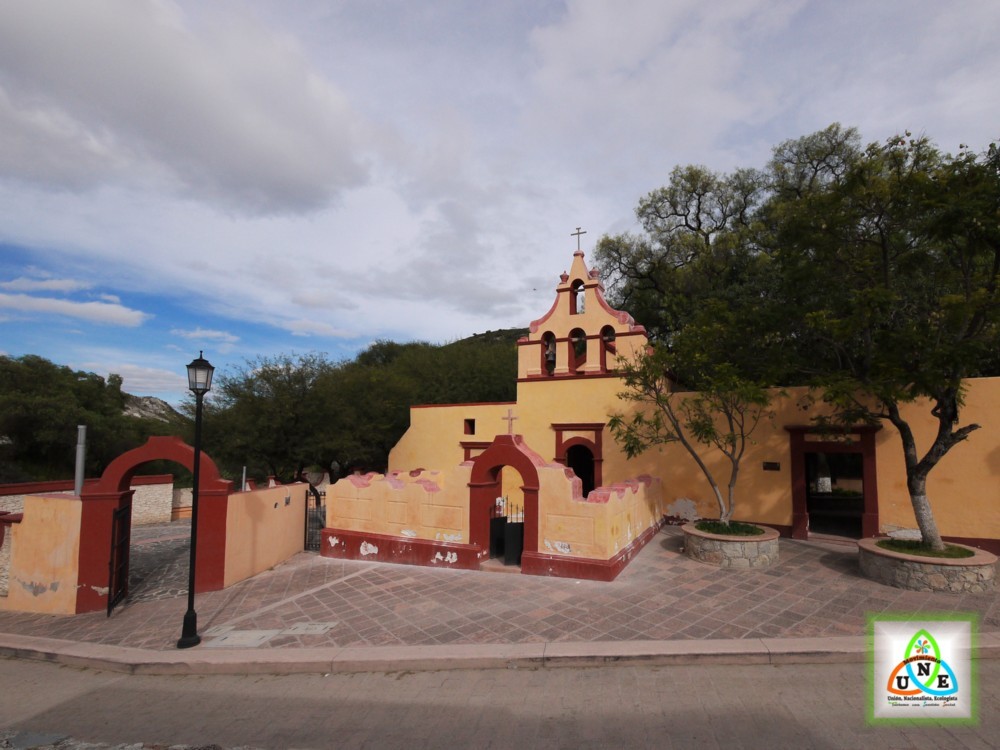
[790,706]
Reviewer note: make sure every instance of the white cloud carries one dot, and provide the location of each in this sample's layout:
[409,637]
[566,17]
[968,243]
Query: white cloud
[202,334]
[303,327]
[95,312]
[139,380]
[23,284]
[227,111]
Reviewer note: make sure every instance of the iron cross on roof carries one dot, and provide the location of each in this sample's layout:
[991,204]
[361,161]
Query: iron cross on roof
[509,419]
[577,234]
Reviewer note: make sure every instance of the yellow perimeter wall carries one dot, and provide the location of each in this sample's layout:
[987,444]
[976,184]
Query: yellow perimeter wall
[45,556]
[964,488]
[263,528]
[435,506]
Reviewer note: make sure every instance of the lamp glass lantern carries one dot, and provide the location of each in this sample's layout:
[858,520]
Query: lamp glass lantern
[200,373]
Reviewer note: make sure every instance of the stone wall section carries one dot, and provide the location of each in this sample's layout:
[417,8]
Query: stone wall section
[151,503]
[973,575]
[732,552]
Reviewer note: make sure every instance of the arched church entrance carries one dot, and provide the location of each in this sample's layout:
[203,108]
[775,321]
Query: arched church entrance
[581,460]
[105,528]
[506,457]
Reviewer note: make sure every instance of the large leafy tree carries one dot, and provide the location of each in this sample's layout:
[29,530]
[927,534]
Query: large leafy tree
[699,274]
[891,257]
[869,273]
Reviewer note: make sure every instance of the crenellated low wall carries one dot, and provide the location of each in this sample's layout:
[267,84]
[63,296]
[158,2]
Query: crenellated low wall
[430,505]
[423,518]
[599,526]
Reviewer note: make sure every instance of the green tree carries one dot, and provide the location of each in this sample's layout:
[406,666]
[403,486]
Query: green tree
[265,415]
[891,259]
[41,404]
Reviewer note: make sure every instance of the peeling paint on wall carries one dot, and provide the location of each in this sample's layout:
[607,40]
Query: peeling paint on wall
[368,549]
[334,541]
[683,508]
[562,547]
[408,532]
[450,557]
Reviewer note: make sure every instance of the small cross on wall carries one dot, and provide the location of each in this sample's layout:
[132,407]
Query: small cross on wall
[509,419]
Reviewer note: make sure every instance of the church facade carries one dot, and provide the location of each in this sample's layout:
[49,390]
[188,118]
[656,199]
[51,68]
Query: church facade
[548,462]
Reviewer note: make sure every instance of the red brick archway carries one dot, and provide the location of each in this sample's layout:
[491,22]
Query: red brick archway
[111,492]
[484,486]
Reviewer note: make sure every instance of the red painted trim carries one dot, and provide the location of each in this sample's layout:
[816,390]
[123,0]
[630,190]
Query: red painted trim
[484,485]
[474,403]
[865,446]
[111,491]
[343,544]
[561,566]
[573,376]
[595,446]
[472,445]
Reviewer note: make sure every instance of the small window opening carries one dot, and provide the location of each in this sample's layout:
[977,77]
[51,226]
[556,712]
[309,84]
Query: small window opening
[470,427]
[577,298]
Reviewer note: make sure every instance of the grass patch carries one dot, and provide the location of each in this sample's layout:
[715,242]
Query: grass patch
[914,547]
[733,528]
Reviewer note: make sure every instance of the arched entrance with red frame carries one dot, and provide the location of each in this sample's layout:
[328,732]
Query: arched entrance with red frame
[485,486]
[112,493]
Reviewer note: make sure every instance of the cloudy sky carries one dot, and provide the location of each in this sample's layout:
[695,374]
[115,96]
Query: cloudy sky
[255,177]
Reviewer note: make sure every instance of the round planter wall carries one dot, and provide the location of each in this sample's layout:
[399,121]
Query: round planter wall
[727,551]
[975,575]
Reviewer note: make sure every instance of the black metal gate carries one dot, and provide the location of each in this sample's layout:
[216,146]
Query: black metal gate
[121,531]
[507,533]
[315,519]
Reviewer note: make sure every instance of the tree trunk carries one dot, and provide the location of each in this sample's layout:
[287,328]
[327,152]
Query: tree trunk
[917,485]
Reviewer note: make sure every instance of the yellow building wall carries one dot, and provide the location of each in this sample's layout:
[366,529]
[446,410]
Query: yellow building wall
[417,505]
[597,528]
[964,488]
[263,528]
[436,433]
[43,575]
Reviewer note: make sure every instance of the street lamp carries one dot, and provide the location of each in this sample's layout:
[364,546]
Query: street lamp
[199,382]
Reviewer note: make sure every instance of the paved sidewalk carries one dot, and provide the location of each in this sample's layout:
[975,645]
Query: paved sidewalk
[662,600]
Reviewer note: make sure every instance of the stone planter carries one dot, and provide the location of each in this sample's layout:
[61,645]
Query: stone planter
[975,575]
[728,551]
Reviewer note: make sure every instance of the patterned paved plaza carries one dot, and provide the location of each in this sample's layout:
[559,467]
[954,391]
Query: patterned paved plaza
[312,601]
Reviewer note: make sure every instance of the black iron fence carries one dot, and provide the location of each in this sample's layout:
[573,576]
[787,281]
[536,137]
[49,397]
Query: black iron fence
[506,532]
[315,518]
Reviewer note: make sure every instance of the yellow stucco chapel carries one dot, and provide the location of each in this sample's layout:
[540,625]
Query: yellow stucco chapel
[546,467]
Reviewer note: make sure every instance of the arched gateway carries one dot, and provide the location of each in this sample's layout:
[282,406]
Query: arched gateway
[485,486]
[100,502]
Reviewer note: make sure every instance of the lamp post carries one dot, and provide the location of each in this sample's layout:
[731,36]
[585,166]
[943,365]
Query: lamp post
[199,382]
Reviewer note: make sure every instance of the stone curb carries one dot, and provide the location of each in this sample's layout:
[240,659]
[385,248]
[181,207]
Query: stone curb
[820,650]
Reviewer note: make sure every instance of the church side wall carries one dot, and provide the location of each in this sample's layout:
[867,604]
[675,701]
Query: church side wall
[964,488]
[447,424]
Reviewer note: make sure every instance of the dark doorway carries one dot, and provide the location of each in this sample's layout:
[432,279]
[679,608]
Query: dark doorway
[835,497]
[581,461]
